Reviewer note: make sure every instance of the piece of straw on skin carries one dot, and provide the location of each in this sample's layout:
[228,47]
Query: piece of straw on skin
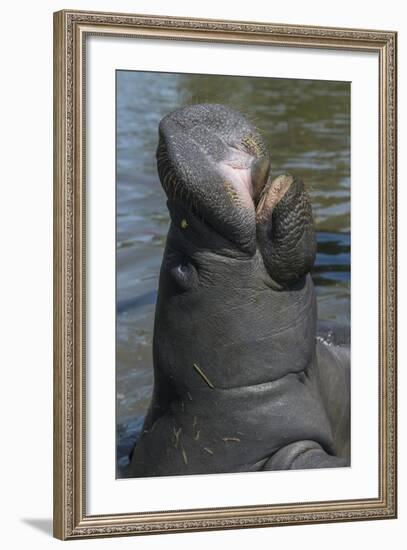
[231,439]
[208,450]
[203,375]
[176,434]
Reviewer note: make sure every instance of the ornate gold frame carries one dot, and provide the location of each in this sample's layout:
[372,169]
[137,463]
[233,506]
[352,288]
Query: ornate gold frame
[70,31]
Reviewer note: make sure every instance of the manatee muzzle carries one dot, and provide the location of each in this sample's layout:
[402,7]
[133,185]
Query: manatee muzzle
[212,159]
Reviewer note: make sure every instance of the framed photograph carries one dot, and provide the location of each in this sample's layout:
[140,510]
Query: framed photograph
[225,274]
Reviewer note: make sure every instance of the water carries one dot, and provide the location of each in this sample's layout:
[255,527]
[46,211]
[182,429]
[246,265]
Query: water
[307,127]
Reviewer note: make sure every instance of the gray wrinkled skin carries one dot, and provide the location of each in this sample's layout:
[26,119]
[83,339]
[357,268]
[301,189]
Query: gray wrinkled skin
[241,382]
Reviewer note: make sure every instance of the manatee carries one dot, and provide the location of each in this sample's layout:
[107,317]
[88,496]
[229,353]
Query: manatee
[241,381]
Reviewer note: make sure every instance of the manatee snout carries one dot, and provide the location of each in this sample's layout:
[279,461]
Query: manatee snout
[214,161]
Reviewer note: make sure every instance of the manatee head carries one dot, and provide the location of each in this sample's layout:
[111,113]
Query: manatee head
[235,294]
[213,164]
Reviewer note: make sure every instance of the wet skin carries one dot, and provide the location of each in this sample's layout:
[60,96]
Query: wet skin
[240,381]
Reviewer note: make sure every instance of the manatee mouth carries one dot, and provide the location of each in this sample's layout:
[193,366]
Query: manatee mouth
[212,160]
[246,174]
[270,195]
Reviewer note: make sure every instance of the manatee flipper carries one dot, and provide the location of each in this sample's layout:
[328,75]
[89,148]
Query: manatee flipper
[303,455]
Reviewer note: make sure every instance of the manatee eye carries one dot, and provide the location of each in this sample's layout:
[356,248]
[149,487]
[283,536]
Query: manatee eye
[185,275]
